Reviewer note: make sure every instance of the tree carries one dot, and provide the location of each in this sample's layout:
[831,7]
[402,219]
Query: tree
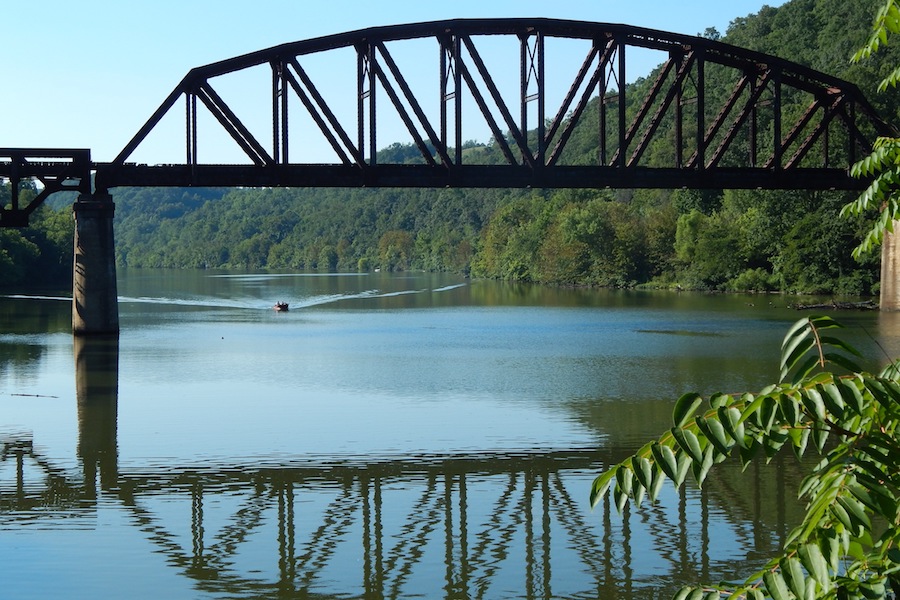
[394,250]
[883,164]
[847,544]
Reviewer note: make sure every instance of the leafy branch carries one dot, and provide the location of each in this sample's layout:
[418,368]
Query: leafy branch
[822,395]
[886,24]
[883,164]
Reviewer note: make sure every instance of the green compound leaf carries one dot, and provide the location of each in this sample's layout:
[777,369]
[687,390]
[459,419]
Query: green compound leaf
[815,564]
[794,576]
[665,459]
[813,403]
[685,408]
[776,586]
[601,486]
[689,443]
[715,433]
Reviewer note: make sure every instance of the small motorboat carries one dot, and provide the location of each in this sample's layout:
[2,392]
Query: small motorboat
[281,307]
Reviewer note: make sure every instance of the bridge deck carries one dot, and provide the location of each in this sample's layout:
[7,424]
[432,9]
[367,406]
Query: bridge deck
[470,176]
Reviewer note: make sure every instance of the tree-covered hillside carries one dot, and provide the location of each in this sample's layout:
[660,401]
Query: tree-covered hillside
[732,240]
[39,255]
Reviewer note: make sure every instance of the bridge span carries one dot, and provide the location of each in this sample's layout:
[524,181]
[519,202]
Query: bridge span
[749,139]
[752,136]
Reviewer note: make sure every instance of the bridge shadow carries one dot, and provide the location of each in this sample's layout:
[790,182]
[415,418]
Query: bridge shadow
[451,526]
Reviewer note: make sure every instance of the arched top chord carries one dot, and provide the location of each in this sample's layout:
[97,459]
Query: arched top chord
[709,115]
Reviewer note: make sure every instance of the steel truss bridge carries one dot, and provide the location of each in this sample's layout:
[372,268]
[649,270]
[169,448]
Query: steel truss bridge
[754,138]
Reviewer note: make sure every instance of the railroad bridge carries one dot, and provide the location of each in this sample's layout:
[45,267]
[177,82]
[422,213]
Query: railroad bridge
[530,100]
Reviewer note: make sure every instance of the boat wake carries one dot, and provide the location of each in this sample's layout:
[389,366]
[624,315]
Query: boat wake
[257,304]
[29,297]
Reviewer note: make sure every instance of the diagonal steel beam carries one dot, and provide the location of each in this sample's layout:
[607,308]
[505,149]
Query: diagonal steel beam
[794,133]
[320,112]
[518,135]
[404,115]
[646,106]
[486,112]
[233,125]
[740,119]
[719,119]
[575,117]
[858,140]
[822,128]
[674,90]
[414,104]
[154,119]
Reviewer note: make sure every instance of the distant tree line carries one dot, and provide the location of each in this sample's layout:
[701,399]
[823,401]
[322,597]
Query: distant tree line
[720,240]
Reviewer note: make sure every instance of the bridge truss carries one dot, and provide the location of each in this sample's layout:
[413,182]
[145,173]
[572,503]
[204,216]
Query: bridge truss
[755,138]
[778,125]
[57,170]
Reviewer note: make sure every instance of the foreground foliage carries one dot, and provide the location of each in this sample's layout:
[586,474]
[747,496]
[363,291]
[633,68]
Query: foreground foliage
[847,544]
[883,164]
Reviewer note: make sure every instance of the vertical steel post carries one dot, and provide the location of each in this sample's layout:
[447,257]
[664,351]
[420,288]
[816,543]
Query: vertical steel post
[457,97]
[541,126]
[285,125]
[622,125]
[442,92]
[701,111]
[604,81]
[754,125]
[679,116]
[776,133]
[360,104]
[279,113]
[373,120]
[524,73]
[95,309]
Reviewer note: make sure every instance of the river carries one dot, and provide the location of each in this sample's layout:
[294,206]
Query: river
[391,436]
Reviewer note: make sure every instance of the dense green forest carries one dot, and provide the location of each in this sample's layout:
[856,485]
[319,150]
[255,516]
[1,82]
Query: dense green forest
[41,253]
[726,240]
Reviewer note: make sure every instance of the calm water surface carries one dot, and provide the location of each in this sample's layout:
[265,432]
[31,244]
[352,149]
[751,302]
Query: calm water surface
[390,436]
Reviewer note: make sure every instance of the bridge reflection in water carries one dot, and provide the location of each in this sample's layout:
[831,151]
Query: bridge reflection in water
[474,526]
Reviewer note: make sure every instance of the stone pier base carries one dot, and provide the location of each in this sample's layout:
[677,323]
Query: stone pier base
[95,308]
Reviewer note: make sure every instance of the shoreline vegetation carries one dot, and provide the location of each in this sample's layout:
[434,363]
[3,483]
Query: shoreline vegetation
[762,241]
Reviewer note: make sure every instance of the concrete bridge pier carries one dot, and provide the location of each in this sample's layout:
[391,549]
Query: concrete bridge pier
[95,309]
[890,270]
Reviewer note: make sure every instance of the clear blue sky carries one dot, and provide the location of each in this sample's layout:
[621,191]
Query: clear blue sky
[88,73]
